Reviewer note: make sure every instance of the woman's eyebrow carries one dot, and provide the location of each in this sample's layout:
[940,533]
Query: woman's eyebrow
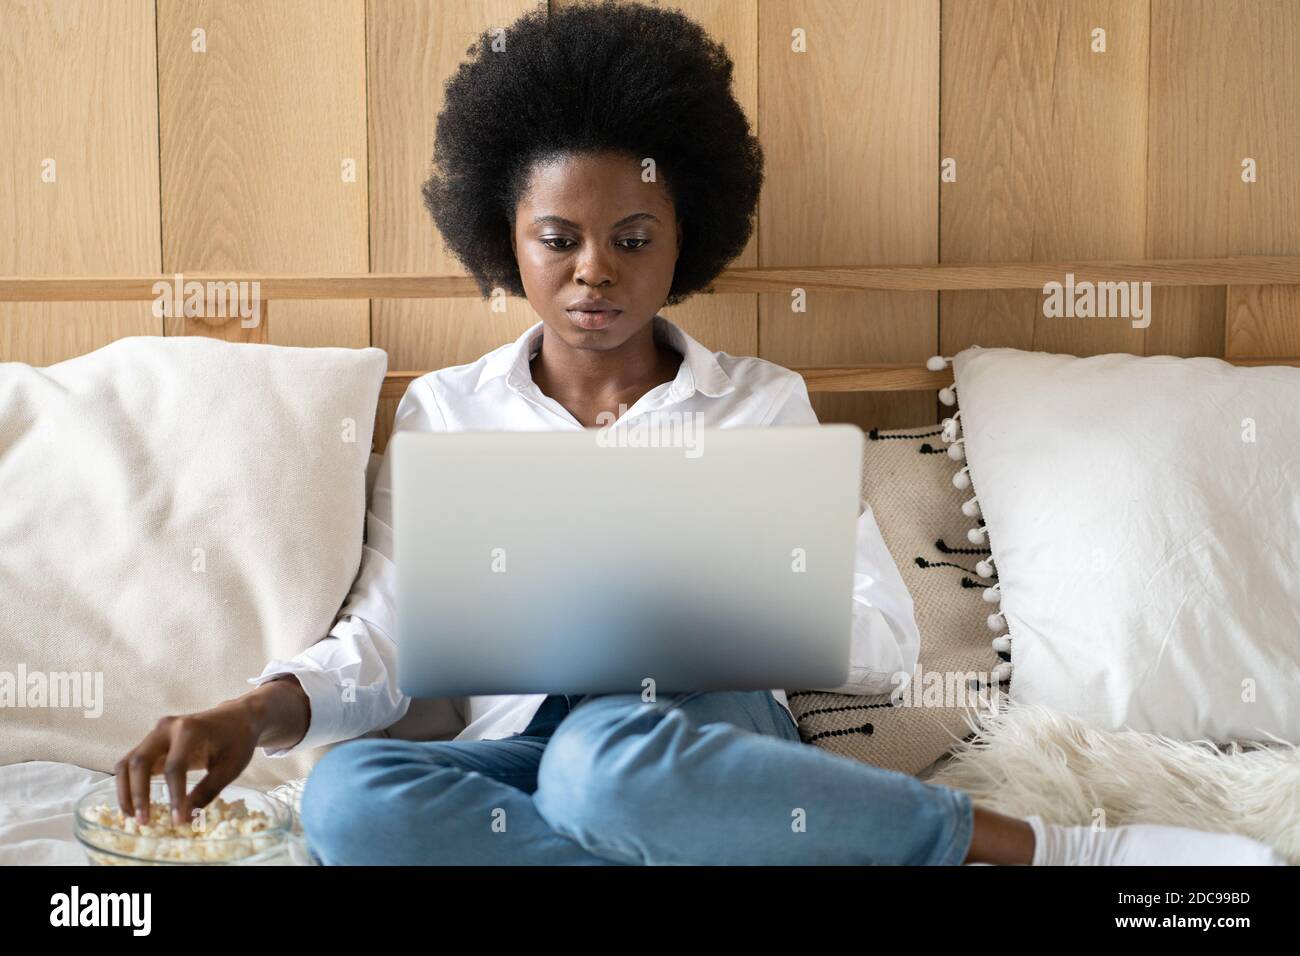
[561,221]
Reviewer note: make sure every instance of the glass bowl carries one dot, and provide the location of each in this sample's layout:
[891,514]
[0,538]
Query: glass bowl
[108,845]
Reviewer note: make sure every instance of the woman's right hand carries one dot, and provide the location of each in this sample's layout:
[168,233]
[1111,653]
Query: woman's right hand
[221,740]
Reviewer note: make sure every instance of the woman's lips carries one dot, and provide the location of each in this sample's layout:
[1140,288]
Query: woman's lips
[594,320]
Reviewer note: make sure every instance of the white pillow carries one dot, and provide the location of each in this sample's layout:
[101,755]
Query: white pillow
[1144,521]
[174,512]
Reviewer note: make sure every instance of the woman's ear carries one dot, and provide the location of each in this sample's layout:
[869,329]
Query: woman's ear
[680,236]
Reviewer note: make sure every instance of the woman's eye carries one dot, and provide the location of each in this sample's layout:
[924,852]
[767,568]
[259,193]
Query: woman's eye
[548,243]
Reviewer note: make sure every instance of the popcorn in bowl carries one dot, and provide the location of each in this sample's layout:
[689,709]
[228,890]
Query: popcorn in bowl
[251,828]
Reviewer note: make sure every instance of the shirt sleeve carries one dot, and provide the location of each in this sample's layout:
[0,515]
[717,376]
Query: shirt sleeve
[886,641]
[348,675]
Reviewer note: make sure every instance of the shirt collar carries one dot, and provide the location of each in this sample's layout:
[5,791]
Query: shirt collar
[699,370]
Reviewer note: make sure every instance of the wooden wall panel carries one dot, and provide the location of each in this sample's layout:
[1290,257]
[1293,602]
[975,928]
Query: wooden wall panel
[1049,140]
[850,132]
[77,86]
[1190,166]
[1225,86]
[727,321]
[413,48]
[254,136]
[1062,153]
[1263,320]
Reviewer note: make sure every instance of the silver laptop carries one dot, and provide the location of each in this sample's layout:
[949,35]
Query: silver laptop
[577,562]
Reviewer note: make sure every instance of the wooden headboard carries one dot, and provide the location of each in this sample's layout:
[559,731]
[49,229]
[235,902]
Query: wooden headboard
[1232,273]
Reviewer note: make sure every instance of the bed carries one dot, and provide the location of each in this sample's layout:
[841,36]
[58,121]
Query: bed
[1019,756]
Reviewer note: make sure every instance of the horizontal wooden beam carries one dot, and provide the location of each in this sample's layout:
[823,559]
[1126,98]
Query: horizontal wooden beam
[1242,270]
[1256,360]
[364,285]
[829,378]
[1234,270]
[845,378]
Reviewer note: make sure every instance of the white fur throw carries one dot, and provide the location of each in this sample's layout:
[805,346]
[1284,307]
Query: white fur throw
[1028,759]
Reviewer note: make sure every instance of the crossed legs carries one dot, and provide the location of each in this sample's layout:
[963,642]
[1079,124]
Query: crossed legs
[700,778]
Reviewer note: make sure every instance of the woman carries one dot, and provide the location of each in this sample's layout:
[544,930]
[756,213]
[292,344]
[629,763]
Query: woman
[597,164]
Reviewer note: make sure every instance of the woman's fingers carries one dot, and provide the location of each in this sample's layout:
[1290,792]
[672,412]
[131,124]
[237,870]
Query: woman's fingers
[221,740]
[140,765]
[211,785]
[185,753]
[124,787]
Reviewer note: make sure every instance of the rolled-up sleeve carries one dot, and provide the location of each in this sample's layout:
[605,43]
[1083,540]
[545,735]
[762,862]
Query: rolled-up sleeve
[349,675]
[885,642]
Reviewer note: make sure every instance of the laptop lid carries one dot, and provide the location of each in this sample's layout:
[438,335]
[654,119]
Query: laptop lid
[565,562]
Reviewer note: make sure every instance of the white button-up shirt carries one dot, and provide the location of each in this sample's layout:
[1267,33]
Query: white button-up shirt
[349,675]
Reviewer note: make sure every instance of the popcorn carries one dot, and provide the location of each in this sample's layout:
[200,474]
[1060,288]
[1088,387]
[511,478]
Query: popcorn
[220,833]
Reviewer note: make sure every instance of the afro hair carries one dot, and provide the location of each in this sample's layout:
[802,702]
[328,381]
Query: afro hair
[614,77]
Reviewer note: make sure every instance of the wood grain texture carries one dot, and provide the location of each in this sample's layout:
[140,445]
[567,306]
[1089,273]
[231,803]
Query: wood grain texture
[1238,270]
[850,133]
[820,380]
[77,87]
[1265,215]
[861,378]
[412,49]
[1190,168]
[1225,86]
[1064,156]
[727,321]
[1263,321]
[254,136]
[1049,139]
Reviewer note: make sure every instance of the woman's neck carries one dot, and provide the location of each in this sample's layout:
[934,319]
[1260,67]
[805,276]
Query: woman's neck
[587,381]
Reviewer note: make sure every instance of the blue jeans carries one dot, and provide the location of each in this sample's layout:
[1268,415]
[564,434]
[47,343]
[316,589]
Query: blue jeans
[607,779]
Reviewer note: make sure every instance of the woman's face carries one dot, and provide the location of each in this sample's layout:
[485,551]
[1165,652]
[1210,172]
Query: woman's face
[587,228]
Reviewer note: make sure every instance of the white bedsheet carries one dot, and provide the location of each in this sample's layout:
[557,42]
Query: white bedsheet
[37,800]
